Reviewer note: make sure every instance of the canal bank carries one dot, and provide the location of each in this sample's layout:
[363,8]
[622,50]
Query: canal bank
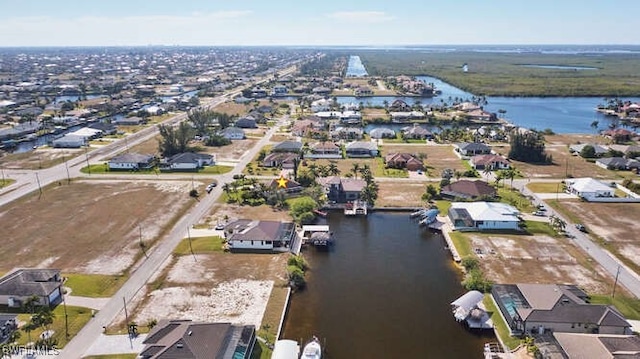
[383,291]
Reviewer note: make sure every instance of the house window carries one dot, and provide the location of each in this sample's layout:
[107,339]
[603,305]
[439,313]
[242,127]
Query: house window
[268,242]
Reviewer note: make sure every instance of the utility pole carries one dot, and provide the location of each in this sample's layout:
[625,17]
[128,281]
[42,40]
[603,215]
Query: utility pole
[86,156]
[66,319]
[190,246]
[126,315]
[142,243]
[615,283]
[38,180]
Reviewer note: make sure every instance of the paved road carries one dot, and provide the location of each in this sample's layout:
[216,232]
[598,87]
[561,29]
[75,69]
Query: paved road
[626,277]
[157,255]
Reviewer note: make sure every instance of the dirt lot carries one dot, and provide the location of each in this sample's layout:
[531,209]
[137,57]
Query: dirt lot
[234,211]
[40,158]
[537,259]
[406,194]
[218,287]
[373,113]
[616,223]
[88,226]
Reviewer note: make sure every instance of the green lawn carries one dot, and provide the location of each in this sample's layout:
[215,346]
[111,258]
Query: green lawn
[261,351]
[77,317]
[462,244]
[516,199]
[443,207]
[380,171]
[215,169]
[499,324]
[200,245]
[104,169]
[545,187]
[94,285]
[629,307]
[535,227]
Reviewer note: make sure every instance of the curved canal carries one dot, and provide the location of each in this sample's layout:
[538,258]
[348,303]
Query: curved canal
[383,291]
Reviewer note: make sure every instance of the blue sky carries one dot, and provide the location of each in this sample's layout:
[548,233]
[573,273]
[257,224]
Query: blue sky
[326,22]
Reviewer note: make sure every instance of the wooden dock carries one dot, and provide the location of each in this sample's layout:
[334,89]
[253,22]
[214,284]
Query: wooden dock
[443,225]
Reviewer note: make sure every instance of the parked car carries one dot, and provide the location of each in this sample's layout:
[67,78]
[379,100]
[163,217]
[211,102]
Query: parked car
[219,226]
[539,213]
[581,227]
[211,185]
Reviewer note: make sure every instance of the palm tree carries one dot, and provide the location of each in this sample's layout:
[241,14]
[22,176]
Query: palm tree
[499,177]
[333,169]
[487,171]
[323,170]
[355,168]
[510,174]
[594,125]
[313,169]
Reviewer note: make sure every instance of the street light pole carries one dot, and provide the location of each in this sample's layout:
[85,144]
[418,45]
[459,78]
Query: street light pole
[38,180]
[615,283]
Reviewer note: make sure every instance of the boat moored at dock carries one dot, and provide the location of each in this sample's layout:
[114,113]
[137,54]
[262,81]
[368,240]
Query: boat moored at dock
[312,350]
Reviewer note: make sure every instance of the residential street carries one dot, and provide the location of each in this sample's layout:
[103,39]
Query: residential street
[157,255]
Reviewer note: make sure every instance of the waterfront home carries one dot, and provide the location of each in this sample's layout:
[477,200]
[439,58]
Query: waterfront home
[186,161]
[285,160]
[403,160]
[416,132]
[540,308]
[480,115]
[630,151]
[468,190]
[279,90]
[307,126]
[69,141]
[382,132]
[324,150]
[619,135]
[399,106]
[19,130]
[341,190]
[599,149]
[363,91]
[361,149]
[347,133]
[400,117]
[132,161]
[321,90]
[232,133]
[618,163]
[467,106]
[260,235]
[472,148]
[588,188]
[287,146]
[484,216]
[321,105]
[179,338]
[611,346]
[17,286]
[491,161]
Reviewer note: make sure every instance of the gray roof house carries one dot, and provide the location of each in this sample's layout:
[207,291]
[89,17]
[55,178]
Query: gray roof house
[361,149]
[186,161]
[539,308]
[382,132]
[287,146]
[260,235]
[472,148]
[599,149]
[186,339]
[617,163]
[232,133]
[132,161]
[19,285]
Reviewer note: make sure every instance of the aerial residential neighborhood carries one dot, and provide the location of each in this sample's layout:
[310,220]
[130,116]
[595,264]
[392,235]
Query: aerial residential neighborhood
[308,201]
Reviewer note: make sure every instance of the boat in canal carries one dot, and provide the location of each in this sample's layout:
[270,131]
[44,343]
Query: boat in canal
[312,350]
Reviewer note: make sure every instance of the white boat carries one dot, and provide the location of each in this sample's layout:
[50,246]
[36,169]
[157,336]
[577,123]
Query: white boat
[312,350]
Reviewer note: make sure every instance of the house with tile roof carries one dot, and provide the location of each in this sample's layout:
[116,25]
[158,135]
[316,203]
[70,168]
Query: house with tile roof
[468,190]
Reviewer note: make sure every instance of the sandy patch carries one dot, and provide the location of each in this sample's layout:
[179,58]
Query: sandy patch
[239,301]
[187,270]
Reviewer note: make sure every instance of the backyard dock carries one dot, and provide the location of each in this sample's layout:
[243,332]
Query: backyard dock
[355,208]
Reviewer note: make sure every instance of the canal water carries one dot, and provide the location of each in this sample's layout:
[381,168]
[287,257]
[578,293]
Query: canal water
[383,291]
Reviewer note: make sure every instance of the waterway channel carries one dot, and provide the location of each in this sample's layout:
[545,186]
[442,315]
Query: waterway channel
[383,291]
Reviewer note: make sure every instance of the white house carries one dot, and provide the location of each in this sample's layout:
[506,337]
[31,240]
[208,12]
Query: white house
[187,161]
[69,141]
[588,188]
[259,235]
[483,216]
[232,133]
[131,161]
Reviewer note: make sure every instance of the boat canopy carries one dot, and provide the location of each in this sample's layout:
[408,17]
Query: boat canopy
[315,228]
[286,349]
[468,301]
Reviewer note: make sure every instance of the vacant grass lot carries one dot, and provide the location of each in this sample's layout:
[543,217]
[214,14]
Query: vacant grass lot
[405,194]
[88,226]
[93,285]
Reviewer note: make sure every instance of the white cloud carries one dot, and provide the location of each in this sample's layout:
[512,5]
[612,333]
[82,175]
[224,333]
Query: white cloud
[361,16]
